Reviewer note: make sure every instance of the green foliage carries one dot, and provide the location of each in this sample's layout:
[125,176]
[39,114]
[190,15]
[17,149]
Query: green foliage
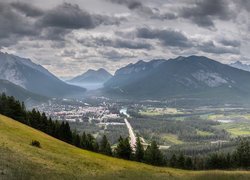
[181,162]
[35,143]
[188,163]
[173,161]
[153,155]
[139,150]
[105,147]
[123,149]
[242,154]
[76,139]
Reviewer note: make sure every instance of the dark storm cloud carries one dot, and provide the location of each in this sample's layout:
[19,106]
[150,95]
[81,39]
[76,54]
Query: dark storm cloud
[210,47]
[164,16]
[168,37]
[230,42]
[203,12]
[54,33]
[245,4]
[114,55]
[13,26]
[131,4]
[52,24]
[138,6]
[27,9]
[71,16]
[116,43]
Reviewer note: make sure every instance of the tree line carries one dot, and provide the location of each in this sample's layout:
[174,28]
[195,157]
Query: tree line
[151,154]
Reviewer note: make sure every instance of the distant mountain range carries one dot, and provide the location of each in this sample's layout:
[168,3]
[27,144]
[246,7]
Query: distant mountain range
[240,65]
[183,77]
[92,76]
[192,77]
[34,78]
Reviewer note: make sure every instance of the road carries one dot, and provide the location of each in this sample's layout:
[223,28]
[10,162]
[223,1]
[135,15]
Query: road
[130,129]
[132,134]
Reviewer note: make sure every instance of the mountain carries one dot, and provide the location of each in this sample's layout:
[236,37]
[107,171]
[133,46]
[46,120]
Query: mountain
[183,77]
[92,76]
[19,93]
[240,65]
[34,78]
[59,160]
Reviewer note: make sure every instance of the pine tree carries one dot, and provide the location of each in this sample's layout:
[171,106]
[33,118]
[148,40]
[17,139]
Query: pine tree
[181,161]
[105,147]
[243,153]
[84,141]
[96,146]
[188,163]
[90,142]
[76,139]
[173,161]
[68,133]
[139,151]
[123,149]
[153,155]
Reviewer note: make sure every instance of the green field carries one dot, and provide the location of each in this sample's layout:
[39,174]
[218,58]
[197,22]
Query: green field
[236,129]
[58,160]
[172,138]
[159,111]
[229,116]
[204,133]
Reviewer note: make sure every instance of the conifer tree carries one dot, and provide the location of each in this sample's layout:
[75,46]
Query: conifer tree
[139,150]
[188,163]
[123,149]
[243,153]
[76,139]
[153,155]
[83,140]
[105,147]
[181,161]
[173,161]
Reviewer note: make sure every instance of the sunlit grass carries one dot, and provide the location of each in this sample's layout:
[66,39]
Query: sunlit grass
[172,138]
[236,129]
[203,133]
[159,111]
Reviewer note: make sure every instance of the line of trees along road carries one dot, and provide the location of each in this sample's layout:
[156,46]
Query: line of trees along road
[14,109]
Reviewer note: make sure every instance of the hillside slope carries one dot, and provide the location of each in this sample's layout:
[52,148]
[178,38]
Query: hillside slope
[58,160]
[34,78]
[20,93]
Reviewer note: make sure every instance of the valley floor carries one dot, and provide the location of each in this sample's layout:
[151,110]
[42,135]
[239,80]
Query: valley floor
[58,160]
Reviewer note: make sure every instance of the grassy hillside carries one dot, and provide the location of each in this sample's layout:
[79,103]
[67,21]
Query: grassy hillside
[58,160]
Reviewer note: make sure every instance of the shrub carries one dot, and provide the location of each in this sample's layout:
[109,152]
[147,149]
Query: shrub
[35,143]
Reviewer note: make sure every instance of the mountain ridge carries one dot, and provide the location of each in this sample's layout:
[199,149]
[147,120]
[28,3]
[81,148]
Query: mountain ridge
[92,76]
[240,65]
[180,77]
[20,93]
[34,78]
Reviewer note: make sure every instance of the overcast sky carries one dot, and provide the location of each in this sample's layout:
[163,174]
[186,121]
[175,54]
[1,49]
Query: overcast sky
[70,37]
